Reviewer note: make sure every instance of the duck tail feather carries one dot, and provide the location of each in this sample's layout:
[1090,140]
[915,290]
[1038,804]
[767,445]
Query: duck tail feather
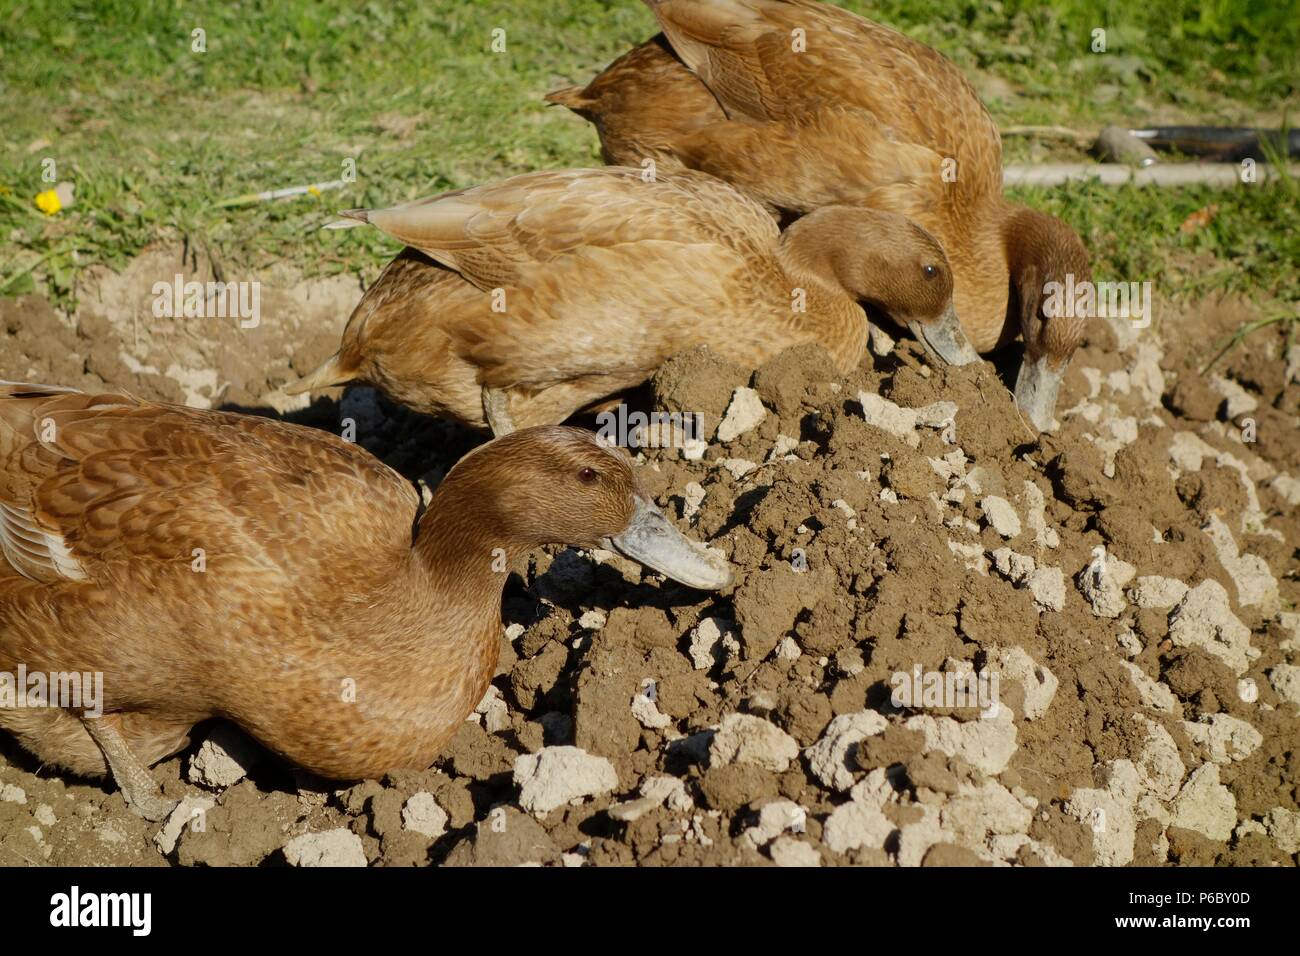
[352,218]
[331,373]
[573,97]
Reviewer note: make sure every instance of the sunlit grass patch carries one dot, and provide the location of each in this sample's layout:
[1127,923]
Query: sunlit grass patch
[156,136]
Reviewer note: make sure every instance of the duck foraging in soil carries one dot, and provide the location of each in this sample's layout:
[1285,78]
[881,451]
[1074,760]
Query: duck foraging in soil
[522,302]
[803,105]
[211,564]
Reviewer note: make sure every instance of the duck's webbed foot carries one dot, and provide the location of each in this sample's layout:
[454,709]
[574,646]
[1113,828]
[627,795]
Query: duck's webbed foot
[496,409]
[138,786]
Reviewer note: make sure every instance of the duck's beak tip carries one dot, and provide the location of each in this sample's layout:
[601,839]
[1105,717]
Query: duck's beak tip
[944,339]
[1037,386]
[651,539]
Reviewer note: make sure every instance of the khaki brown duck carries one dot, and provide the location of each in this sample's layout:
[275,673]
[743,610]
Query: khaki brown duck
[804,105]
[522,302]
[211,564]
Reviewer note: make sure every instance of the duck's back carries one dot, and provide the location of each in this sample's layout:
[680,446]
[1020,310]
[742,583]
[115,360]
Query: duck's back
[786,59]
[562,275]
[804,84]
[492,233]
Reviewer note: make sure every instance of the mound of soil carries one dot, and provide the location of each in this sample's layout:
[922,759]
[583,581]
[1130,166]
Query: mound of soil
[1117,596]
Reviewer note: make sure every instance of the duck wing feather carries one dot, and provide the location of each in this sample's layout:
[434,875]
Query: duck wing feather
[90,482]
[744,51]
[601,270]
[494,235]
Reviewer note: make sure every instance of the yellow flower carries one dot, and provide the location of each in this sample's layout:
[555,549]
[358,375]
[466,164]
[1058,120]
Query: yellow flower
[314,191]
[56,199]
[48,202]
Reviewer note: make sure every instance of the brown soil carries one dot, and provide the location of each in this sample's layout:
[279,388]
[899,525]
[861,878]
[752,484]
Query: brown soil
[861,554]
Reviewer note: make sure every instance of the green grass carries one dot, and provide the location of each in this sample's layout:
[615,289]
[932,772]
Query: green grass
[1134,232]
[1160,51]
[156,136]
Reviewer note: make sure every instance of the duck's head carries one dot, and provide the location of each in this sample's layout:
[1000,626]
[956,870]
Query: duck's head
[558,485]
[1048,262]
[889,262]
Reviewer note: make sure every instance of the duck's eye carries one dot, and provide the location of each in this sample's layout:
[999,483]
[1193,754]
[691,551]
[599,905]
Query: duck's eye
[929,271]
[588,475]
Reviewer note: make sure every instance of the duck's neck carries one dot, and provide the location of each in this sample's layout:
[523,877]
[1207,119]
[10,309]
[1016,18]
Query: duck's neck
[813,249]
[1027,242]
[458,567]
[813,255]
[465,546]
[1042,251]
[973,235]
